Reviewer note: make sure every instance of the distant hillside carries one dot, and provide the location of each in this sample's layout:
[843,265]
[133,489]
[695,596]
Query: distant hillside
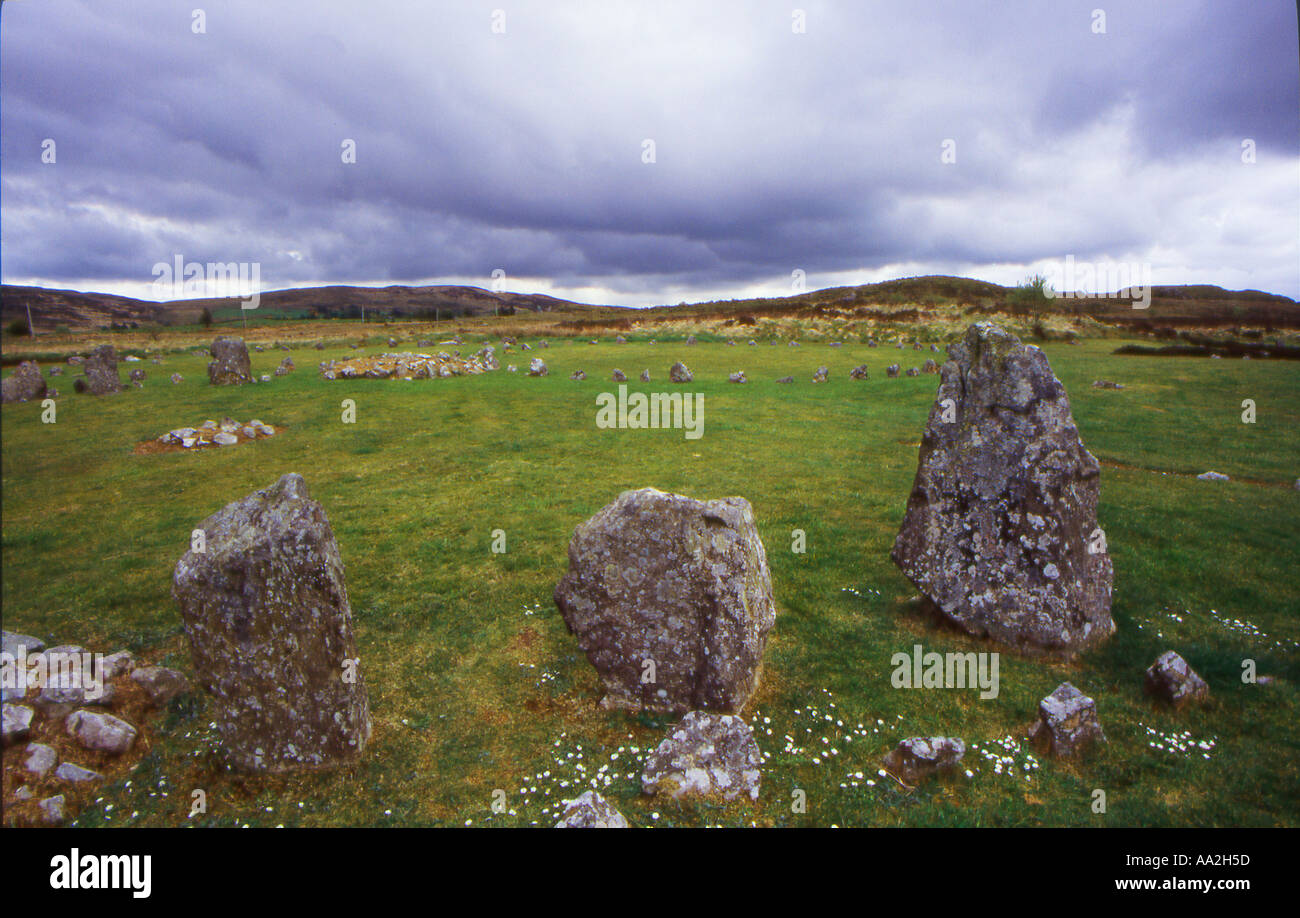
[52,308]
[905,299]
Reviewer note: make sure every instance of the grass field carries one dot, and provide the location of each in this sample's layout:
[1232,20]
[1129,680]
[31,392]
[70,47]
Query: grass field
[475,684]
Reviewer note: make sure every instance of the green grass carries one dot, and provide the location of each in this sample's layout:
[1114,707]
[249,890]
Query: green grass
[471,694]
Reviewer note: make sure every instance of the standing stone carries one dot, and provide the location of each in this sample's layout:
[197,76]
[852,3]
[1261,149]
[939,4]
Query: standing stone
[858,372]
[537,368]
[706,755]
[270,629]
[737,377]
[137,378]
[590,810]
[821,375]
[920,757]
[230,365]
[1001,525]
[23,384]
[678,373]
[101,372]
[645,377]
[676,590]
[1067,722]
[177,379]
[930,366]
[1171,679]
[618,376]
[892,370]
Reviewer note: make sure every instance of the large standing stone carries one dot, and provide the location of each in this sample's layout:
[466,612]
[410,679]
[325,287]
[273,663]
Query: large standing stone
[1001,526]
[1067,722]
[706,755]
[1173,680]
[101,372]
[678,373]
[671,600]
[230,365]
[270,628]
[23,384]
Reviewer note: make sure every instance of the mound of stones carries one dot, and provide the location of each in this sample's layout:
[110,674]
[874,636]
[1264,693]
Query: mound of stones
[23,384]
[411,366]
[266,612]
[590,810]
[1171,679]
[919,758]
[100,370]
[671,600]
[678,373]
[228,432]
[1067,722]
[76,692]
[1001,525]
[705,755]
[230,365]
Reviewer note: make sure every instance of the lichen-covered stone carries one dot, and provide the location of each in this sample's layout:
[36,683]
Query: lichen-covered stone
[16,722]
[919,758]
[1001,525]
[671,599]
[1171,679]
[705,755]
[23,384]
[1067,722]
[266,611]
[679,373]
[589,810]
[230,365]
[101,372]
[160,683]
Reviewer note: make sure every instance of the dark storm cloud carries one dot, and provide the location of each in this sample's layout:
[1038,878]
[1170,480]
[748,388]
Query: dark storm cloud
[774,150]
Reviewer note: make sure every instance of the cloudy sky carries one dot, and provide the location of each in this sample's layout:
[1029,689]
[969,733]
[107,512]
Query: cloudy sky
[853,141]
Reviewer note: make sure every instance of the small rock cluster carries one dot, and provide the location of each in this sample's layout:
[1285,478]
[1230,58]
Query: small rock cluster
[75,689]
[410,366]
[210,433]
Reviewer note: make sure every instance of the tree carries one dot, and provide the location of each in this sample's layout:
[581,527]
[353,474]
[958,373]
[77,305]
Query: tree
[205,317]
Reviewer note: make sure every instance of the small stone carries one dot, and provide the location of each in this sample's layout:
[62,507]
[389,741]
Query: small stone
[645,377]
[100,732]
[225,439]
[859,372]
[579,375]
[786,380]
[590,810]
[1171,679]
[40,759]
[1213,476]
[160,683]
[75,774]
[922,757]
[705,755]
[737,377]
[177,379]
[13,641]
[116,664]
[52,809]
[1067,722]
[15,722]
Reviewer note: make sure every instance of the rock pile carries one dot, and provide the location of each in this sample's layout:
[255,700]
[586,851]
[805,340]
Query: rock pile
[410,366]
[210,434]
